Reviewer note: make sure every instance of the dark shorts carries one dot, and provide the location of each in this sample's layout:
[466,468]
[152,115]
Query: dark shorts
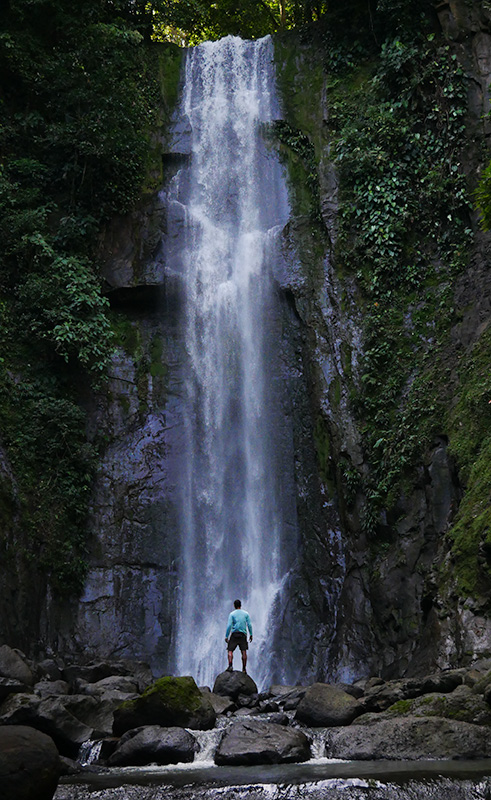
[237,640]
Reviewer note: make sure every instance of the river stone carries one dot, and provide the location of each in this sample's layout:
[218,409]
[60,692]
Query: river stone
[234,683]
[461,705]
[325,705]
[118,683]
[169,702]
[13,666]
[409,738]
[252,741]
[220,704]
[51,688]
[49,716]
[29,764]
[11,686]
[154,744]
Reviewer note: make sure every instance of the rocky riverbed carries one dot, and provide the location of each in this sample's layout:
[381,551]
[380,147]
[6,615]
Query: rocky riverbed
[108,717]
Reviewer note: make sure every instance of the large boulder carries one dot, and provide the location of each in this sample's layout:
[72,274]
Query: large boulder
[252,741]
[170,702]
[97,712]
[49,716]
[11,686]
[153,744]
[12,665]
[461,705]
[409,738]
[220,704]
[138,671]
[324,705]
[51,688]
[29,764]
[234,683]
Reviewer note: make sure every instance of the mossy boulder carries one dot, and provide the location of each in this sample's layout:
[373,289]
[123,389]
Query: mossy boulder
[326,705]
[169,702]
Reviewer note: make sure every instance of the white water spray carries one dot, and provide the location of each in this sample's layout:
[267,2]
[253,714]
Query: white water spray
[236,527]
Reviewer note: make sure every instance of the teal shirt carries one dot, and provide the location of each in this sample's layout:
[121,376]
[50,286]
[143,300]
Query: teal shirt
[238,622]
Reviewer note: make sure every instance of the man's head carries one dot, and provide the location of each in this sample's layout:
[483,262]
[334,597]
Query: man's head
[237,604]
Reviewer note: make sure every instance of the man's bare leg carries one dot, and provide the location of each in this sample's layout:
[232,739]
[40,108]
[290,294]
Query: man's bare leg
[244,660]
[230,658]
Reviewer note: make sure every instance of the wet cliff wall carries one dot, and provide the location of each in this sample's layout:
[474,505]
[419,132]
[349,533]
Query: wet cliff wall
[392,293]
[385,295]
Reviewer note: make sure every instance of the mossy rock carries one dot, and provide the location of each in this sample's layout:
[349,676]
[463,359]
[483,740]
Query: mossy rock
[168,702]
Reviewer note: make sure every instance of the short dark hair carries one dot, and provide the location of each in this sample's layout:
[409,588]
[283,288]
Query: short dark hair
[237,604]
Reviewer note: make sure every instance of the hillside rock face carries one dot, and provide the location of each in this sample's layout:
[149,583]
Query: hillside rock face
[347,616]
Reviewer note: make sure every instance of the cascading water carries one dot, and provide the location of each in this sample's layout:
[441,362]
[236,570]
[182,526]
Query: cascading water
[238,528]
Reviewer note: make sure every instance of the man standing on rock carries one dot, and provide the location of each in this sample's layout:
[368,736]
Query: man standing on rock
[236,635]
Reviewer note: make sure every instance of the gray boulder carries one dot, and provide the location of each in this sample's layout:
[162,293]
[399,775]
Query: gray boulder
[170,702]
[12,665]
[29,764]
[235,683]
[49,716]
[50,688]
[97,712]
[252,741]
[49,669]
[137,671]
[11,686]
[220,704]
[461,705]
[117,683]
[409,738]
[325,705]
[153,744]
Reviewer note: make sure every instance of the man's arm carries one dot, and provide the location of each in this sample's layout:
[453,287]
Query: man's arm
[249,625]
[229,626]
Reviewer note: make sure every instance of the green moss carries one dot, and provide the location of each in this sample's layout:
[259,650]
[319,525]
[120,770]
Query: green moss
[323,447]
[300,76]
[126,334]
[401,707]
[335,392]
[157,368]
[175,693]
[470,444]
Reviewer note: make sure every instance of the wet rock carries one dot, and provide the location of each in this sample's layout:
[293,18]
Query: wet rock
[278,690]
[118,683]
[383,696]
[409,738]
[154,744]
[49,716]
[461,705]
[169,702]
[11,686]
[50,669]
[220,704]
[137,671]
[235,683]
[352,689]
[69,766]
[13,666]
[326,705]
[29,764]
[482,683]
[252,741]
[50,688]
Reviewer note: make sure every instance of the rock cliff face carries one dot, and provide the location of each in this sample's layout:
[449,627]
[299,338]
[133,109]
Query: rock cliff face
[355,608]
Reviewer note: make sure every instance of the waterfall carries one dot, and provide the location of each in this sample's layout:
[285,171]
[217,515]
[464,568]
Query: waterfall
[237,518]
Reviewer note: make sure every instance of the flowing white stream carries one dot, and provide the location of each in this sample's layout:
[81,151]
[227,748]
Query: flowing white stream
[236,541]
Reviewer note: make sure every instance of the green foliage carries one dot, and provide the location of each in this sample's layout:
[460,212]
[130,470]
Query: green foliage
[80,96]
[398,139]
[470,443]
[483,197]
